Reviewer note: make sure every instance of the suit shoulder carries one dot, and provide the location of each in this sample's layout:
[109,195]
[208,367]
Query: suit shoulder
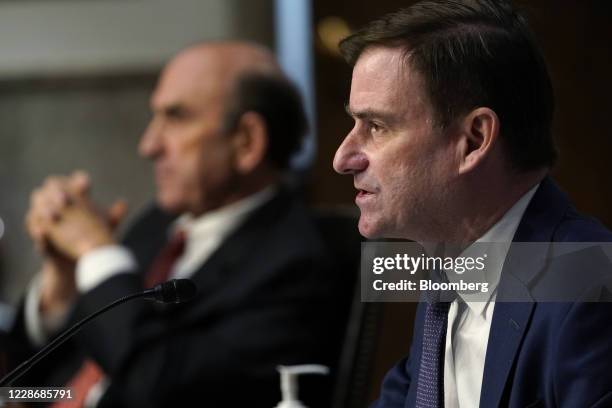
[576,227]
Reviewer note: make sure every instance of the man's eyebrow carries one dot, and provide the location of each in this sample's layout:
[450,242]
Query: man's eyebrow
[386,117]
[173,109]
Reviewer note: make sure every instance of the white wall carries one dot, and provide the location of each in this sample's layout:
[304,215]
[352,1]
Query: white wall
[59,37]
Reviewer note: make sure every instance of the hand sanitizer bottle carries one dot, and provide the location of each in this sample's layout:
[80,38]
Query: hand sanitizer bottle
[289,383]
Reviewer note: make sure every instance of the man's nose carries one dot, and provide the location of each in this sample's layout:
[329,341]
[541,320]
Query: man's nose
[349,158]
[150,141]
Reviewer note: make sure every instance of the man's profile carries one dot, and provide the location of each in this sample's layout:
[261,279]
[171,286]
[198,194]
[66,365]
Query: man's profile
[452,143]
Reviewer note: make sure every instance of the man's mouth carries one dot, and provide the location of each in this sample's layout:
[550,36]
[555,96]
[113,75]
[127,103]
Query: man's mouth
[161,173]
[363,195]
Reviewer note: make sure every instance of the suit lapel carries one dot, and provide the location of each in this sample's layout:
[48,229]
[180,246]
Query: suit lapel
[511,319]
[231,256]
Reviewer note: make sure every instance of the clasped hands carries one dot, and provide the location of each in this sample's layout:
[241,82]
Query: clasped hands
[63,219]
[65,224]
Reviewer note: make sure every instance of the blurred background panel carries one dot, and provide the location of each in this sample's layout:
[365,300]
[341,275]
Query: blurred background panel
[75,37]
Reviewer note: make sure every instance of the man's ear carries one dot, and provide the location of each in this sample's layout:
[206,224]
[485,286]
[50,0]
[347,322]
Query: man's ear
[479,132]
[250,142]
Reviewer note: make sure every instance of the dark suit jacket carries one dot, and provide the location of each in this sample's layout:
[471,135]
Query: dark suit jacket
[269,295]
[538,354]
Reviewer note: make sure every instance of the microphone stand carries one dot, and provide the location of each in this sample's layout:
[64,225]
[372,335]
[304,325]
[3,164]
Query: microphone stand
[172,291]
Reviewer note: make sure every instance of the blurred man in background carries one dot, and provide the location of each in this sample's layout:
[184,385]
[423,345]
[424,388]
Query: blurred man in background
[225,123]
[452,143]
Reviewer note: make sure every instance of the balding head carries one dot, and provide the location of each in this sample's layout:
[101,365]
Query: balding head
[231,57]
[214,67]
[225,121]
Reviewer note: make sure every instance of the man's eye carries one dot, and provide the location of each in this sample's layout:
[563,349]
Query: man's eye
[177,114]
[374,127]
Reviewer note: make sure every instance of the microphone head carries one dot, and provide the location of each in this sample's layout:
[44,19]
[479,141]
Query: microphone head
[175,291]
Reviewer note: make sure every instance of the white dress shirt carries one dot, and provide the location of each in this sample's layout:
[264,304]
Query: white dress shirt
[469,320]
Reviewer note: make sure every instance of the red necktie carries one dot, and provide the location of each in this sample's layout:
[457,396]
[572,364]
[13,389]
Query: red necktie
[90,373]
[165,260]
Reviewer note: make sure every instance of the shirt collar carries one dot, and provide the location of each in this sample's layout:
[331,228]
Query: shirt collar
[221,222]
[501,233]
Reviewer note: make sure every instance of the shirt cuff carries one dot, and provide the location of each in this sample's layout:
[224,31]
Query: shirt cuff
[101,264]
[40,327]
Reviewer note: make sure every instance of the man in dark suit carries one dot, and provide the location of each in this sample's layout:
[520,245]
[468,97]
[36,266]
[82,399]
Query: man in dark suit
[452,143]
[225,124]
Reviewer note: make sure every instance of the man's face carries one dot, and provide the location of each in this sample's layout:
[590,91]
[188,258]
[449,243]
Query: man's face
[192,157]
[400,162]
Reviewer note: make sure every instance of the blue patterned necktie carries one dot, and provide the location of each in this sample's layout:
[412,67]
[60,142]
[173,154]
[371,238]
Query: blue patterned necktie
[430,381]
[430,384]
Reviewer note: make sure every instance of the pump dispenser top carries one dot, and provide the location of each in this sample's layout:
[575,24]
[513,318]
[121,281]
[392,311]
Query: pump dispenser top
[289,383]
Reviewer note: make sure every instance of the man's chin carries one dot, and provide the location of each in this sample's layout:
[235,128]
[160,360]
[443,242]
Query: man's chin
[375,229]
[168,205]
[368,229]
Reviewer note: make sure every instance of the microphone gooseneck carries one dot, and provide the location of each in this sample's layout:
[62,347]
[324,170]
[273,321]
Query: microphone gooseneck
[172,291]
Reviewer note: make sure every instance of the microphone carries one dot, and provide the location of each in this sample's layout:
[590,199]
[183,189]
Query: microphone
[172,291]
